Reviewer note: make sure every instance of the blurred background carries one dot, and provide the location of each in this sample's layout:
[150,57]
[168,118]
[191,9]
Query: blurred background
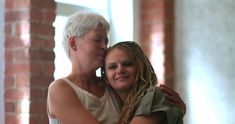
[191,44]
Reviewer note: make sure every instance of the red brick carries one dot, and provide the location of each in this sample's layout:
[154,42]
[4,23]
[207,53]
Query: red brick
[48,68]
[10,107]
[36,15]
[43,30]
[22,81]
[17,119]
[11,16]
[17,4]
[21,55]
[29,39]
[12,119]
[14,42]
[9,81]
[157,16]
[38,106]
[22,27]
[36,119]
[37,93]
[8,56]
[22,68]
[36,68]
[17,94]
[14,107]
[46,4]
[49,16]
[41,81]
[153,4]
[49,44]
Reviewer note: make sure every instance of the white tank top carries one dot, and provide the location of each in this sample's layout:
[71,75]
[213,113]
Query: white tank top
[106,109]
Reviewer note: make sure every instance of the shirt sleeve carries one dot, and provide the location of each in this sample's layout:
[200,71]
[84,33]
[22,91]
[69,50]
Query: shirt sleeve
[155,101]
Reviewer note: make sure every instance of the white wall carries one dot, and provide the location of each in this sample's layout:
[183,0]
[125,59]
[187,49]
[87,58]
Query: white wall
[205,59]
[124,18]
[136,20]
[1,61]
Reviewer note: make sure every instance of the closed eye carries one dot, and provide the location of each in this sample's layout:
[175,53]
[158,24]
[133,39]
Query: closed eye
[98,40]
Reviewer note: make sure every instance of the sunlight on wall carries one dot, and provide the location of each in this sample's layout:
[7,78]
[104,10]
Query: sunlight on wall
[25,111]
[62,63]
[121,14]
[157,55]
[204,95]
[24,28]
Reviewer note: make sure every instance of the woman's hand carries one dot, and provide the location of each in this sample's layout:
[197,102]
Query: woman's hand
[174,98]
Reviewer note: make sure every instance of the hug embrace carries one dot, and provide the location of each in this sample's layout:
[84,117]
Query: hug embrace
[125,93]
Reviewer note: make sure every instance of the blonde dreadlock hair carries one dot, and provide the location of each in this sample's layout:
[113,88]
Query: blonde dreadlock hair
[144,78]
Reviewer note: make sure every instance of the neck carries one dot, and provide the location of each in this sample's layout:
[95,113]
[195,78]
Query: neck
[84,78]
[89,83]
[123,95]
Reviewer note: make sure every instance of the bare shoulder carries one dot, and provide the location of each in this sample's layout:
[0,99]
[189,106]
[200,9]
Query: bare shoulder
[58,92]
[57,84]
[64,105]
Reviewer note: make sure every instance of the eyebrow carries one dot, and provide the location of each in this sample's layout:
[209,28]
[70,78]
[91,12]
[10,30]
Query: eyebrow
[126,60]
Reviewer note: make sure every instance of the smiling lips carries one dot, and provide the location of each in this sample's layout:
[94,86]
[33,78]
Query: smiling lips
[121,78]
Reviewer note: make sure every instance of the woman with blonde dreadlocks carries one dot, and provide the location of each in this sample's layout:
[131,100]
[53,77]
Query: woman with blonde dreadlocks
[131,75]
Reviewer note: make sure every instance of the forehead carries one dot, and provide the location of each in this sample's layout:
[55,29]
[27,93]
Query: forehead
[117,54]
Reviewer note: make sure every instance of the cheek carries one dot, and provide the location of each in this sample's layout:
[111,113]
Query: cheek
[109,75]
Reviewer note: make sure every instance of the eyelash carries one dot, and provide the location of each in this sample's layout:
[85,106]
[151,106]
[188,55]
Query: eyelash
[125,64]
[97,40]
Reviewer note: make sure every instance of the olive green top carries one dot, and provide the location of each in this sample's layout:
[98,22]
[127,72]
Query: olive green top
[155,101]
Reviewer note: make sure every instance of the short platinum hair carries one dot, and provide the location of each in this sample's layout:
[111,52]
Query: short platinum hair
[81,22]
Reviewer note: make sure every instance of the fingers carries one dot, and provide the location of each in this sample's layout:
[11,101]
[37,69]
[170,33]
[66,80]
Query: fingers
[168,90]
[174,98]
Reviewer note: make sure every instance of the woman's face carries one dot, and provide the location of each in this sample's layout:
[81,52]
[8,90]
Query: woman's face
[92,47]
[120,70]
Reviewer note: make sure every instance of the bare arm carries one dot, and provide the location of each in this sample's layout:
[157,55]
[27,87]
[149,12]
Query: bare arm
[174,98]
[64,105]
[154,118]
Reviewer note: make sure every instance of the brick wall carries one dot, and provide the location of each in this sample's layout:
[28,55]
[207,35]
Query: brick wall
[157,37]
[29,59]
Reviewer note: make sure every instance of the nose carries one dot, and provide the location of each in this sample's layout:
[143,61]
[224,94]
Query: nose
[120,70]
[104,45]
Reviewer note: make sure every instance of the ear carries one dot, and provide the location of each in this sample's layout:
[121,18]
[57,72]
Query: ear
[72,43]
